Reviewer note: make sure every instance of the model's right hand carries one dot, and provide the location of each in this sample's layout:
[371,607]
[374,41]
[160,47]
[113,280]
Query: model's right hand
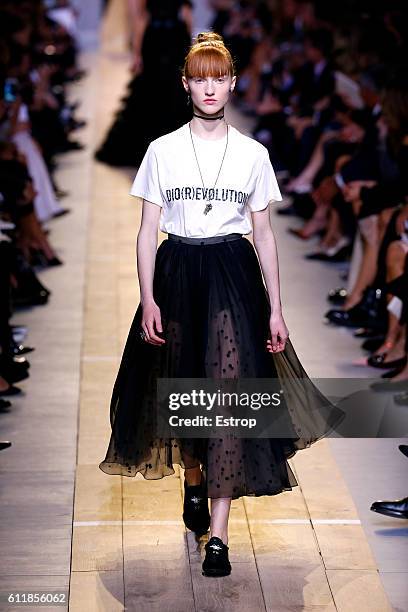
[151,323]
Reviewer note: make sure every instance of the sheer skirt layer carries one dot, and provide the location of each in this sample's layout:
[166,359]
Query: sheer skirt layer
[215,315]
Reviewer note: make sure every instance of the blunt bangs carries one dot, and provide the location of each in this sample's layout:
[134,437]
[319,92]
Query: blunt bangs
[208,62]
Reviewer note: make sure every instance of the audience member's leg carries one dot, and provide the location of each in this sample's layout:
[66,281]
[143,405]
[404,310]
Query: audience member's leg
[370,242]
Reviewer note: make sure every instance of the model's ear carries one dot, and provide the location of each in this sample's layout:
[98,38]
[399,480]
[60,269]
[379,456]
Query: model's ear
[185,84]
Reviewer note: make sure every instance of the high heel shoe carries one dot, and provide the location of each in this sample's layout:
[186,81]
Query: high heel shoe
[196,515]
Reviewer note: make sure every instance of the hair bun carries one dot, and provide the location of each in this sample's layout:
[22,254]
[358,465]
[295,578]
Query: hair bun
[211,37]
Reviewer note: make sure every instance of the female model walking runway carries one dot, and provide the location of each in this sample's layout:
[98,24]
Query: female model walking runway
[205,311]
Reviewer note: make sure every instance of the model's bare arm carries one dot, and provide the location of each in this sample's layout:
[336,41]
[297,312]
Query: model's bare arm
[265,245]
[146,253]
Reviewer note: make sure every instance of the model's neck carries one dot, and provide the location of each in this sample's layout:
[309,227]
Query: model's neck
[209,130]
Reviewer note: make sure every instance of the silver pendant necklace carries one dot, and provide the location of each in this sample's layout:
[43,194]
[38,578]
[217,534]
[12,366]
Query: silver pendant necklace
[208,206]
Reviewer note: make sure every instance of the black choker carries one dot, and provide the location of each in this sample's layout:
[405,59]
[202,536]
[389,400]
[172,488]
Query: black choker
[208,118]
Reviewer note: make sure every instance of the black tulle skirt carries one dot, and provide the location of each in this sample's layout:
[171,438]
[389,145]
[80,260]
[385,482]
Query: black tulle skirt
[215,315]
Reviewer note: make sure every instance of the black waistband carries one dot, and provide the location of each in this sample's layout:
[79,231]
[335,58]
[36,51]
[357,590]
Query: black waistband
[208,240]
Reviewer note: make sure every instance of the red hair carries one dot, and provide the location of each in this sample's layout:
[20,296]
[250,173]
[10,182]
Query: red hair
[208,56]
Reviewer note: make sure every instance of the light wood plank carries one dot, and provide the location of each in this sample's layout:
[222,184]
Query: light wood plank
[358,590]
[97,548]
[97,591]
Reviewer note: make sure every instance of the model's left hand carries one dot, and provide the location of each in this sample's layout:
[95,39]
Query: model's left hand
[279,333]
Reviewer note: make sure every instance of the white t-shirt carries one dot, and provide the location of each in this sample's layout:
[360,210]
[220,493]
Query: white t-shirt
[169,177]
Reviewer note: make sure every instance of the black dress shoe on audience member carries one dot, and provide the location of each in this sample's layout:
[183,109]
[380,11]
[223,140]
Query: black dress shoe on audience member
[404,449]
[378,361]
[196,515]
[337,295]
[20,349]
[402,399]
[21,297]
[216,562]
[369,312]
[353,317]
[12,390]
[346,318]
[14,369]
[396,509]
[4,445]
[4,404]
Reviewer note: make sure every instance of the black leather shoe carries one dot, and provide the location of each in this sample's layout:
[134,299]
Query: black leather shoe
[22,299]
[14,369]
[397,508]
[353,317]
[12,390]
[404,449]
[216,562]
[369,312]
[196,515]
[346,318]
[378,361]
[4,404]
[337,295]
[4,445]
[20,349]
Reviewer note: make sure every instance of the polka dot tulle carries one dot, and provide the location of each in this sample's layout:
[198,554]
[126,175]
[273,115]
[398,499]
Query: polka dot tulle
[215,316]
